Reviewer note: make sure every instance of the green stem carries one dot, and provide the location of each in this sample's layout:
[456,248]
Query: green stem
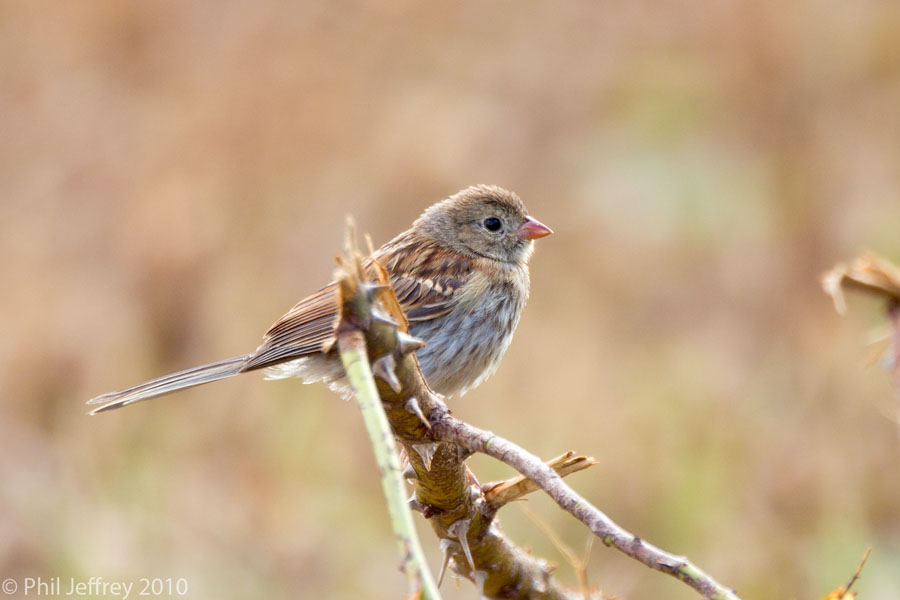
[359,373]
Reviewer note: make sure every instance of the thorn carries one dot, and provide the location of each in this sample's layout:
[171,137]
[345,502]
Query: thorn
[475,493]
[446,545]
[408,344]
[480,577]
[384,368]
[463,453]
[427,510]
[374,290]
[382,318]
[426,453]
[463,524]
[470,476]
[412,406]
[409,472]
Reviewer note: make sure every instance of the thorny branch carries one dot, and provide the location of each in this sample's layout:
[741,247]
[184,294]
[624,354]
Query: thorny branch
[446,492]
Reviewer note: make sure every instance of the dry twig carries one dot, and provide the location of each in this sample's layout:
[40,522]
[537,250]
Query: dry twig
[876,276]
[844,592]
[868,273]
[499,493]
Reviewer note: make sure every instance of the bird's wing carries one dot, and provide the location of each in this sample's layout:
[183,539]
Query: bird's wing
[423,294]
[426,278]
[423,299]
[305,329]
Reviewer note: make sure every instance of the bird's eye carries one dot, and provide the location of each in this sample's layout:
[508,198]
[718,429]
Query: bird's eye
[492,224]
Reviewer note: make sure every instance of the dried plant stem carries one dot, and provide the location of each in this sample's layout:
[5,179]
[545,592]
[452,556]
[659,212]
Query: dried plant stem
[879,277]
[500,493]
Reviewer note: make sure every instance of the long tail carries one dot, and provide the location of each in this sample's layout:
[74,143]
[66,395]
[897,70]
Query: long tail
[170,383]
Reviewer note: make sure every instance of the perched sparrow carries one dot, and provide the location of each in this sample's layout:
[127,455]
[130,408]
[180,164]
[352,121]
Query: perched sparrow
[461,276]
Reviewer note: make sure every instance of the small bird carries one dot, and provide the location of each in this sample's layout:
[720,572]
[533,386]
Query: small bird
[460,274]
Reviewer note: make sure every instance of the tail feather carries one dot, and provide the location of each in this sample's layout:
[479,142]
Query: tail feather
[170,383]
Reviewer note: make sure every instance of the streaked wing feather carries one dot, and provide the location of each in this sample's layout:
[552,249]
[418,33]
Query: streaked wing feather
[419,301]
[308,327]
[425,277]
[303,330]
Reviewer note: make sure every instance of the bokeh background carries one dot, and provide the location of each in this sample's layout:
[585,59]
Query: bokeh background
[174,176]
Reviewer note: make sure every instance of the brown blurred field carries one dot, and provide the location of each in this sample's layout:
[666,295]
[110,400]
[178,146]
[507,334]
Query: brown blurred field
[173,176]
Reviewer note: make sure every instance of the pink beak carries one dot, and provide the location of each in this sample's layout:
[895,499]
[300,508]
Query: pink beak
[532,229]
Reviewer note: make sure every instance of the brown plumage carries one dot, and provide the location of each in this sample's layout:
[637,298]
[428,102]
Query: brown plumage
[461,276]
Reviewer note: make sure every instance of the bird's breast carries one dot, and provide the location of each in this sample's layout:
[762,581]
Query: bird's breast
[465,346]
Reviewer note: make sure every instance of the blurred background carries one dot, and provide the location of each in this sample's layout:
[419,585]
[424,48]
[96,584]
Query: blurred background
[174,176]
